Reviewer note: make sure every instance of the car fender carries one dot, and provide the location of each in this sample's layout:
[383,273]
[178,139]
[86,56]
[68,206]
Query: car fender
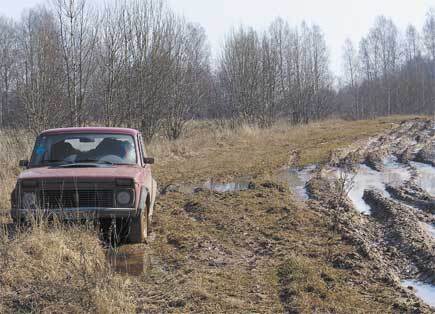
[142,200]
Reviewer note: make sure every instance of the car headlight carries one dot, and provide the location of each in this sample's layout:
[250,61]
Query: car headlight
[29,199]
[124,198]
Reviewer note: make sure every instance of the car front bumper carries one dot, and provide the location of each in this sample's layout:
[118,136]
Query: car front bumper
[73,213]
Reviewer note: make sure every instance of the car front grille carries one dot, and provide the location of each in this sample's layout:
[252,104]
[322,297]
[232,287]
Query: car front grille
[49,199]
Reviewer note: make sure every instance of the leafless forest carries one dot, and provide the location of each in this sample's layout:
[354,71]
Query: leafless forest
[138,64]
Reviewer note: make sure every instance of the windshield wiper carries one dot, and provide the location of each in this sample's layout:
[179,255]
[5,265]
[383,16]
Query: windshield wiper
[95,161]
[49,161]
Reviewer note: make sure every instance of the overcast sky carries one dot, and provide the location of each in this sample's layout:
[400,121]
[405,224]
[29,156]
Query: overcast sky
[338,19]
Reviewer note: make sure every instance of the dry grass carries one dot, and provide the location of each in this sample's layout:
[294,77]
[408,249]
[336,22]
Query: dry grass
[59,269]
[207,151]
[13,147]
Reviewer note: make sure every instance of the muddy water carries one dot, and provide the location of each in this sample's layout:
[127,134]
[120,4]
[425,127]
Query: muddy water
[395,173]
[126,260]
[426,177]
[431,229]
[241,184]
[238,184]
[294,178]
[366,178]
[297,179]
[422,290]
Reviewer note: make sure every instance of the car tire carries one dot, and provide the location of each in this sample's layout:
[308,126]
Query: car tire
[138,228]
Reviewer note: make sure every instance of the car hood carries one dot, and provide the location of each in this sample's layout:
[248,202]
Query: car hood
[103,172]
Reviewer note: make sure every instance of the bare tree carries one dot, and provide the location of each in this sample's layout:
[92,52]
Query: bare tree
[111,65]
[188,78]
[429,33]
[284,72]
[8,52]
[239,72]
[40,86]
[78,36]
[350,65]
[429,40]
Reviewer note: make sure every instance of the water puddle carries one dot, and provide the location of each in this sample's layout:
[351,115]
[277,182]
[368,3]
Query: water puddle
[297,179]
[133,263]
[426,176]
[431,229]
[395,173]
[241,184]
[424,291]
[365,178]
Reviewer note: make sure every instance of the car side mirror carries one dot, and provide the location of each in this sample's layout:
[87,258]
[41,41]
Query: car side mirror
[24,163]
[148,160]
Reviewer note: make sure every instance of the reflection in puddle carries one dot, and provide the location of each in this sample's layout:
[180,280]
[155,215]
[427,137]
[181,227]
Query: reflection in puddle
[424,291]
[297,179]
[393,174]
[431,229]
[241,184]
[426,177]
[365,178]
[131,263]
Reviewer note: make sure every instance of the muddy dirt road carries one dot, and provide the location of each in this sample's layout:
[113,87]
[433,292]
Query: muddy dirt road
[389,202]
[355,232]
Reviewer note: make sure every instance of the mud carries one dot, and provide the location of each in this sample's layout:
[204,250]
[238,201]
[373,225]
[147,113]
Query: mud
[431,229]
[425,177]
[236,185]
[423,291]
[241,184]
[427,154]
[296,179]
[402,230]
[392,182]
[387,212]
[129,261]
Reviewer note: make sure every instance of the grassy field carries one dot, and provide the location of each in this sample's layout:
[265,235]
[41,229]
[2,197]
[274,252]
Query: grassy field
[206,152]
[259,250]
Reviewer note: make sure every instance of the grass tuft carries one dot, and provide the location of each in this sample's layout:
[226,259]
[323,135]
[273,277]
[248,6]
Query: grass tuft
[57,268]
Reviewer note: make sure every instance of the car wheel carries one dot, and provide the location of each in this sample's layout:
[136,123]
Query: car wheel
[138,228]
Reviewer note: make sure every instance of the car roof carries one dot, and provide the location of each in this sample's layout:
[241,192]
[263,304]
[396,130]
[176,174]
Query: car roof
[126,131]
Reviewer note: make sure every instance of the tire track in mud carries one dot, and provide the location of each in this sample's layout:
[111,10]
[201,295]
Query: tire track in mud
[396,233]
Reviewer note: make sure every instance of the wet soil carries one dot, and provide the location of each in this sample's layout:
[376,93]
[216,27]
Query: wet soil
[392,183]
[381,225]
[129,260]
[296,179]
[241,226]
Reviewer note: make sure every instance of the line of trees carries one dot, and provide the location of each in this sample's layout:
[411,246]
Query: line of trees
[133,63]
[282,72]
[390,72]
[138,64]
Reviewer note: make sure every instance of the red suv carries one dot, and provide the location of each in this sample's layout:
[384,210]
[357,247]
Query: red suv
[82,173]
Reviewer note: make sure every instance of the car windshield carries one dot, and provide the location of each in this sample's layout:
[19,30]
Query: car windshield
[62,149]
